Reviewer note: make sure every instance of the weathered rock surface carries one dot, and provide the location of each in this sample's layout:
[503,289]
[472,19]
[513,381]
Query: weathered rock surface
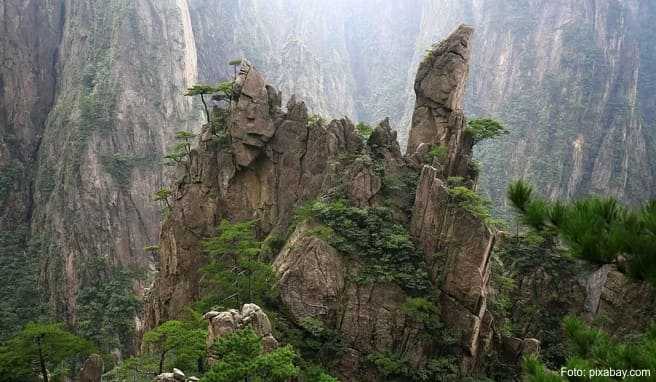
[549,287]
[314,283]
[251,315]
[457,244]
[92,369]
[176,376]
[438,117]
[275,162]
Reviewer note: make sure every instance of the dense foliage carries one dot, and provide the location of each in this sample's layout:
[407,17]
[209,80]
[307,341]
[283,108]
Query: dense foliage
[107,307]
[237,272]
[481,129]
[371,236]
[175,343]
[48,348]
[589,348]
[180,343]
[595,229]
[241,357]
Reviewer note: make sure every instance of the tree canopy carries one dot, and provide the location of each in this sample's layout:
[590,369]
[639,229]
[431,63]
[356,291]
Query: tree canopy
[236,272]
[481,129]
[240,357]
[45,345]
[180,343]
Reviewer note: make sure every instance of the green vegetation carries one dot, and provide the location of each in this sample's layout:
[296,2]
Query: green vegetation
[439,152]
[595,229]
[181,153]
[202,91]
[162,195]
[236,272]
[364,130]
[19,266]
[180,343]
[223,89]
[370,235]
[8,179]
[107,307]
[240,357]
[590,348]
[395,365]
[471,201]
[120,166]
[40,348]
[481,129]
[316,120]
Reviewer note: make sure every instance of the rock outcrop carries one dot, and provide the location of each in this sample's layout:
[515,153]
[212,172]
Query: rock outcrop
[251,315]
[549,287]
[275,160]
[438,118]
[175,376]
[316,282]
[456,243]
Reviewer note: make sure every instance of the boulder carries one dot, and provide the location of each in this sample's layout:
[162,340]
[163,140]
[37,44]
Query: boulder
[251,315]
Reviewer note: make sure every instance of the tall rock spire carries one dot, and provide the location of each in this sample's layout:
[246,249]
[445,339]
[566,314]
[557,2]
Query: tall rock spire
[440,86]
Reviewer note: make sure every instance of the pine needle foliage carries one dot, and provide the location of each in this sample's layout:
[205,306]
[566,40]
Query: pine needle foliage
[594,229]
[237,271]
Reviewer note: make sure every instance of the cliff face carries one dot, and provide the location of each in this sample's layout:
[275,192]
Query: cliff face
[571,80]
[29,40]
[574,84]
[275,160]
[123,67]
[327,53]
[90,101]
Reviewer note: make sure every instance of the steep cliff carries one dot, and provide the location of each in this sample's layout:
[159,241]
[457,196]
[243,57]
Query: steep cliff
[29,42]
[90,102]
[359,279]
[123,67]
[572,80]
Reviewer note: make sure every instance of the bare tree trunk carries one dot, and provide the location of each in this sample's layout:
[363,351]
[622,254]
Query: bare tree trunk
[42,361]
[207,113]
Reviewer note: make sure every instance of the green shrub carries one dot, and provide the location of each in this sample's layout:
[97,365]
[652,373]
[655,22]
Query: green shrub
[440,153]
[481,129]
[471,201]
[364,130]
[241,358]
[236,272]
[370,235]
[591,348]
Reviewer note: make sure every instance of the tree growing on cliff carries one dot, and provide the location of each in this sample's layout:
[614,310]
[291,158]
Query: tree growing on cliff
[481,129]
[242,358]
[45,345]
[179,342]
[202,91]
[237,271]
[235,63]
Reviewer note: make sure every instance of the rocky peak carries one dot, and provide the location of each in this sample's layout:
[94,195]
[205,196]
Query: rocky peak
[277,160]
[251,125]
[438,119]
